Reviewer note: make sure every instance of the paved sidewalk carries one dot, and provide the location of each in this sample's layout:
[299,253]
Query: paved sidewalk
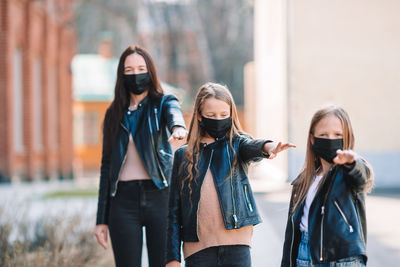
[383,216]
[267,244]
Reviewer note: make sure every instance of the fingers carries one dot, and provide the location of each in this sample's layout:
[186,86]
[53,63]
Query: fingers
[339,159]
[103,240]
[279,148]
[178,133]
[283,146]
[101,237]
[344,157]
[174,137]
[286,146]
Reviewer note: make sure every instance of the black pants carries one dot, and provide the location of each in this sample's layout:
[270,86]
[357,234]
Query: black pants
[138,204]
[221,256]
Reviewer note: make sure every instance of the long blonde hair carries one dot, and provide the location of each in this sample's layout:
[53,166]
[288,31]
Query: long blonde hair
[312,162]
[206,91]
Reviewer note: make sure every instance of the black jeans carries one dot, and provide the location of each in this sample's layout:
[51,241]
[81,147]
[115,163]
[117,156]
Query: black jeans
[221,256]
[138,204]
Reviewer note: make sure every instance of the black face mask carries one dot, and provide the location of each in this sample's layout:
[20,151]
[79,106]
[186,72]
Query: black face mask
[326,148]
[216,128]
[136,83]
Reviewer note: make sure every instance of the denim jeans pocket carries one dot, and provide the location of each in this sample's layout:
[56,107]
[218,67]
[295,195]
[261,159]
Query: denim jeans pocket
[350,262]
[302,263]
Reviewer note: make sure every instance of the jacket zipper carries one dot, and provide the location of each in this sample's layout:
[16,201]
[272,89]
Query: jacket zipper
[351,230]
[358,219]
[321,258]
[246,193]
[155,151]
[119,172]
[159,168]
[165,153]
[321,250]
[322,227]
[291,245]
[155,114]
[123,126]
[234,216]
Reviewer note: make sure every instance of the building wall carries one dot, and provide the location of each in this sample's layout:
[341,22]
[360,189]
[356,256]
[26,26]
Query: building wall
[334,52]
[347,54]
[36,110]
[265,89]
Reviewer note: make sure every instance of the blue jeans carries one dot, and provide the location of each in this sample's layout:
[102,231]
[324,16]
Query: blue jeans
[304,257]
[221,256]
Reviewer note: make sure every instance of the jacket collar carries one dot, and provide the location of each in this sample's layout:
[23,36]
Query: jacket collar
[124,121]
[213,144]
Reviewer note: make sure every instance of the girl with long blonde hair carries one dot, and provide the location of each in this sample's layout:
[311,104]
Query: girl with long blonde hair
[211,208]
[326,224]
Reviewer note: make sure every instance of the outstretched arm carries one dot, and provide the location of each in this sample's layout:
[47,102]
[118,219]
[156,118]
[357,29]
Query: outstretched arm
[273,148]
[357,170]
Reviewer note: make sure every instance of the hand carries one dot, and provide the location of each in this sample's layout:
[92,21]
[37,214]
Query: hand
[173,264]
[178,133]
[345,157]
[273,149]
[101,233]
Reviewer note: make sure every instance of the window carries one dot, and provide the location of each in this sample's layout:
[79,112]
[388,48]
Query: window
[86,128]
[18,118]
[53,106]
[37,105]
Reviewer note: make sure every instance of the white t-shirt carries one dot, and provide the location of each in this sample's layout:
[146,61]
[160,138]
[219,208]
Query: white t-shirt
[309,199]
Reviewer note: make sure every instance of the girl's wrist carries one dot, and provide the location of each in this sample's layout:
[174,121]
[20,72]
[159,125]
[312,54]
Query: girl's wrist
[268,148]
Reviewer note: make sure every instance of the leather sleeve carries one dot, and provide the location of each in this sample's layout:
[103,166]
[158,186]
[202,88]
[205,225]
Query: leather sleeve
[358,174]
[104,187]
[172,112]
[251,149]
[285,262]
[174,239]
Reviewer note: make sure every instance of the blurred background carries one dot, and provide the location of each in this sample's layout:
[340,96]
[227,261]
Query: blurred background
[281,59]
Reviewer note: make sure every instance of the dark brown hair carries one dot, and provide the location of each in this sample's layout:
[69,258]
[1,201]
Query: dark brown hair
[122,96]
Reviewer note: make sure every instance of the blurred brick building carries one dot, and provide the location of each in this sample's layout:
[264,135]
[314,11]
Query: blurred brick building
[93,93]
[37,41]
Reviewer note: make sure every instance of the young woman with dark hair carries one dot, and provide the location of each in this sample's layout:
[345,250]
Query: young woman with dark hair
[137,161]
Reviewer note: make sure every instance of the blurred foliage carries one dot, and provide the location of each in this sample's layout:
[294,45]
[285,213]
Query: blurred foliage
[51,241]
[192,41]
[91,192]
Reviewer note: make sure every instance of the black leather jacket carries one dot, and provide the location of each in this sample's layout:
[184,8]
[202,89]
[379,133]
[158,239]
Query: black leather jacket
[156,120]
[232,184]
[337,221]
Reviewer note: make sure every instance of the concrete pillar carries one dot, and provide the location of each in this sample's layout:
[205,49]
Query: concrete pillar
[267,113]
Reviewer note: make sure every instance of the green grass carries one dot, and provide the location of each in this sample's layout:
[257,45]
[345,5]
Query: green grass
[91,192]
